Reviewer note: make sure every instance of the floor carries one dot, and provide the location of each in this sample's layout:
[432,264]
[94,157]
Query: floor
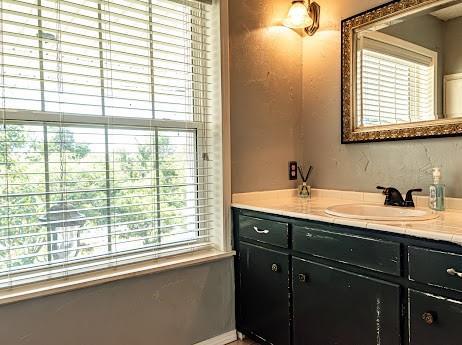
[243,342]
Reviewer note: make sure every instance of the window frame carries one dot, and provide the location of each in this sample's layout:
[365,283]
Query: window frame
[149,123]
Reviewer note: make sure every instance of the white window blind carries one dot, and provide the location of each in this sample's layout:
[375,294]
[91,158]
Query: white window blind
[107,138]
[394,85]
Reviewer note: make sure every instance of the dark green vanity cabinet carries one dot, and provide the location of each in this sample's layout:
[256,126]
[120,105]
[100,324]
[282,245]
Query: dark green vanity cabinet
[356,309]
[301,282]
[264,296]
[443,319]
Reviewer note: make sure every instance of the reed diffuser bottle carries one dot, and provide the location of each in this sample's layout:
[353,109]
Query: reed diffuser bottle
[304,190]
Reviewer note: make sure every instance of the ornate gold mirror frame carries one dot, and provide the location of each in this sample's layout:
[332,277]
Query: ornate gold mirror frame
[350,134]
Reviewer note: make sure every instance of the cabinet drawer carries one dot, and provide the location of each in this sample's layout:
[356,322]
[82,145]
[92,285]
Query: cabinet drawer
[265,231]
[434,319]
[435,268]
[378,255]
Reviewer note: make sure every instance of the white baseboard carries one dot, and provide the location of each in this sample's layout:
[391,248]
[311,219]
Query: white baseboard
[221,339]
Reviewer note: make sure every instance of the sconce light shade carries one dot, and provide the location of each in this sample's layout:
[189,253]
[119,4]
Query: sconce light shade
[298,17]
[303,16]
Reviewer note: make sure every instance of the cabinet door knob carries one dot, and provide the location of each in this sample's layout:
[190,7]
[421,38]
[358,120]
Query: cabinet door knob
[429,318]
[302,277]
[275,267]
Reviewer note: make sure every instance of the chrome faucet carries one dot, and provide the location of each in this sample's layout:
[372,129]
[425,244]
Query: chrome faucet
[393,197]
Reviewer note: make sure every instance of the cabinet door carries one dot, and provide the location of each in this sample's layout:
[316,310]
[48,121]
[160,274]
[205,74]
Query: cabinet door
[264,293]
[335,307]
[434,319]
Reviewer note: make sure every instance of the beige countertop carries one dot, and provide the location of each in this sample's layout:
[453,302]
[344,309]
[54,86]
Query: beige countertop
[447,227]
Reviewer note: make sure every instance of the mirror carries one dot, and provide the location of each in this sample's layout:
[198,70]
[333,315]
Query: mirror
[402,71]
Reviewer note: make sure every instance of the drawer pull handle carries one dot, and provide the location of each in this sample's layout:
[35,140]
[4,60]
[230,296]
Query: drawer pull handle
[453,272]
[275,267]
[429,318]
[260,231]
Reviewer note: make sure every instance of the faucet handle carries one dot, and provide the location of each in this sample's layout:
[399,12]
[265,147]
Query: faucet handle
[393,196]
[384,189]
[409,202]
[386,192]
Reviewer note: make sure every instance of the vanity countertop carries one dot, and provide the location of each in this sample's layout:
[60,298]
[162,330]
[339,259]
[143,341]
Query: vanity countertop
[447,227]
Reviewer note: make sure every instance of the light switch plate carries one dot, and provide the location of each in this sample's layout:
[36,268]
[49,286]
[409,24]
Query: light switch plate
[292,170]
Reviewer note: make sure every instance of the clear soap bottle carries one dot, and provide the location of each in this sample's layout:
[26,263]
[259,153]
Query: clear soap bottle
[437,192]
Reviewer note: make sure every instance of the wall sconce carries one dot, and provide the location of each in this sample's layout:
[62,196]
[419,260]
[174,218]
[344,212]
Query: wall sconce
[303,16]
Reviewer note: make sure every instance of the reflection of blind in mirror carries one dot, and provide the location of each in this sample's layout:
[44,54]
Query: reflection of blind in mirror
[394,86]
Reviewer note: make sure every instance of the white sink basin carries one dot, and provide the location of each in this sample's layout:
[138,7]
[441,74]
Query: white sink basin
[379,212]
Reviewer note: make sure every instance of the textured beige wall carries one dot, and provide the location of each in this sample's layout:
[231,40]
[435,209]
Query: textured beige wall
[180,307]
[361,167]
[453,52]
[266,84]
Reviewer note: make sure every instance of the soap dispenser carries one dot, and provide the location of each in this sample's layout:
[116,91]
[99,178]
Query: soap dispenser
[437,192]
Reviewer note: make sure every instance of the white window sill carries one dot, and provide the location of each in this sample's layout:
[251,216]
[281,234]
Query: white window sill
[84,280]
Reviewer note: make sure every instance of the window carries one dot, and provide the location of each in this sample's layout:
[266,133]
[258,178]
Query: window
[396,81]
[107,152]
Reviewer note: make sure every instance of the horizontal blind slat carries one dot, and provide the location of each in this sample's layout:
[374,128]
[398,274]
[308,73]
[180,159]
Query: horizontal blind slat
[189,19]
[134,222]
[86,264]
[47,20]
[199,47]
[96,49]
[108,208]
[118,198]
[199,237]
[101,236]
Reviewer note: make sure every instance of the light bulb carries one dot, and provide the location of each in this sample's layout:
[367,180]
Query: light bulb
[298,17]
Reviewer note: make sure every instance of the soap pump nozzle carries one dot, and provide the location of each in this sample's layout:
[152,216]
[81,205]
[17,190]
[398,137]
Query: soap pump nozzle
[436,175]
